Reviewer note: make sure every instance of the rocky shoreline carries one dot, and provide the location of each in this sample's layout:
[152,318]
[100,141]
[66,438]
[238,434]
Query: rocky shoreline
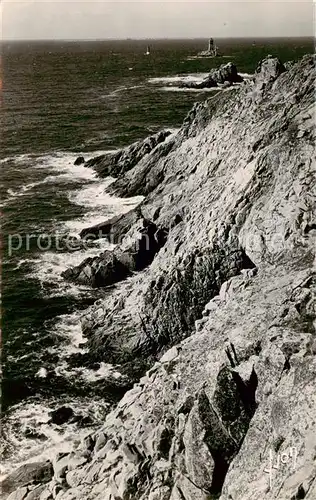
[211,289]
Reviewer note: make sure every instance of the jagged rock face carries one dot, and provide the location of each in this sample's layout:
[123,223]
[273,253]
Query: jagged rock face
[201,424]
[226,73]
[269,69]
[228,307]
[242,158]
[119,162]
[146,179]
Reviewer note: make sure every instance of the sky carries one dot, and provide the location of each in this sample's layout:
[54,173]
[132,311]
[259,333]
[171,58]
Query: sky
[102,19]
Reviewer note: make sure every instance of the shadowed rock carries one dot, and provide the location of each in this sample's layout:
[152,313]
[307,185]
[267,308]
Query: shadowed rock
[226,420]
[31,473]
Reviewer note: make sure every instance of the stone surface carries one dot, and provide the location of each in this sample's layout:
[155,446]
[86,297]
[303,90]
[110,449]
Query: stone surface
[164,442]
[270,69]
[36,493]
[46,495]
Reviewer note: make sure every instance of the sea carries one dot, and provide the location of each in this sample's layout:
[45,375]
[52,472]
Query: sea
[59,100]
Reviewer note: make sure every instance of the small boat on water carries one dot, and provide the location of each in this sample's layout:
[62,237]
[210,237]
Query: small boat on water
[147,53]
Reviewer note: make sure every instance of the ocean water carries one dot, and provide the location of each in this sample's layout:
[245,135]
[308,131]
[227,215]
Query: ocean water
[59,100]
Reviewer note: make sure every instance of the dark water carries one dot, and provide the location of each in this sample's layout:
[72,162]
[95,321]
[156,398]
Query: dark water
[80,95]
[61,99]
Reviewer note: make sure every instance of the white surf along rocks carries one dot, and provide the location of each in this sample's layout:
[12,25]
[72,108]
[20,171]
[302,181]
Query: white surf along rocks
[224,311]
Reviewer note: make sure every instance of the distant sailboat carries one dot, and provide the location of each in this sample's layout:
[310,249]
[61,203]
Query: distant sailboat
[147,53]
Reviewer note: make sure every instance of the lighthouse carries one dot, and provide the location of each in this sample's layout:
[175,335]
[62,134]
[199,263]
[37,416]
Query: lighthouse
[212,50]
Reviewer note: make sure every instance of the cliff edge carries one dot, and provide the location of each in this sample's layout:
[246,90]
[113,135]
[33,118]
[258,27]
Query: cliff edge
[223,309]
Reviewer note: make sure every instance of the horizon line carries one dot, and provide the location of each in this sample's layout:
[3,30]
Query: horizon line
[152,38]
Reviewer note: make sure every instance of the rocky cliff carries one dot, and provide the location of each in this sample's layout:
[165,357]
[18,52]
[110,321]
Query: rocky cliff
[222,309]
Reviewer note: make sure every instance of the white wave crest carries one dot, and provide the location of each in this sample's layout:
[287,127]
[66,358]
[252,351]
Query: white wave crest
[192,77]
[247,75]
[32,418]
[184,89]
[49,265]
[15,193]
[95,196]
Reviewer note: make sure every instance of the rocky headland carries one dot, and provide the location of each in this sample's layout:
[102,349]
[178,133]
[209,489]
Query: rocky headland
[224,76]
[211,298]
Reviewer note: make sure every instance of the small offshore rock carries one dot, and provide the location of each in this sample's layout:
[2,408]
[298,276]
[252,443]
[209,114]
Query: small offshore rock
[79,161]
[61,415]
